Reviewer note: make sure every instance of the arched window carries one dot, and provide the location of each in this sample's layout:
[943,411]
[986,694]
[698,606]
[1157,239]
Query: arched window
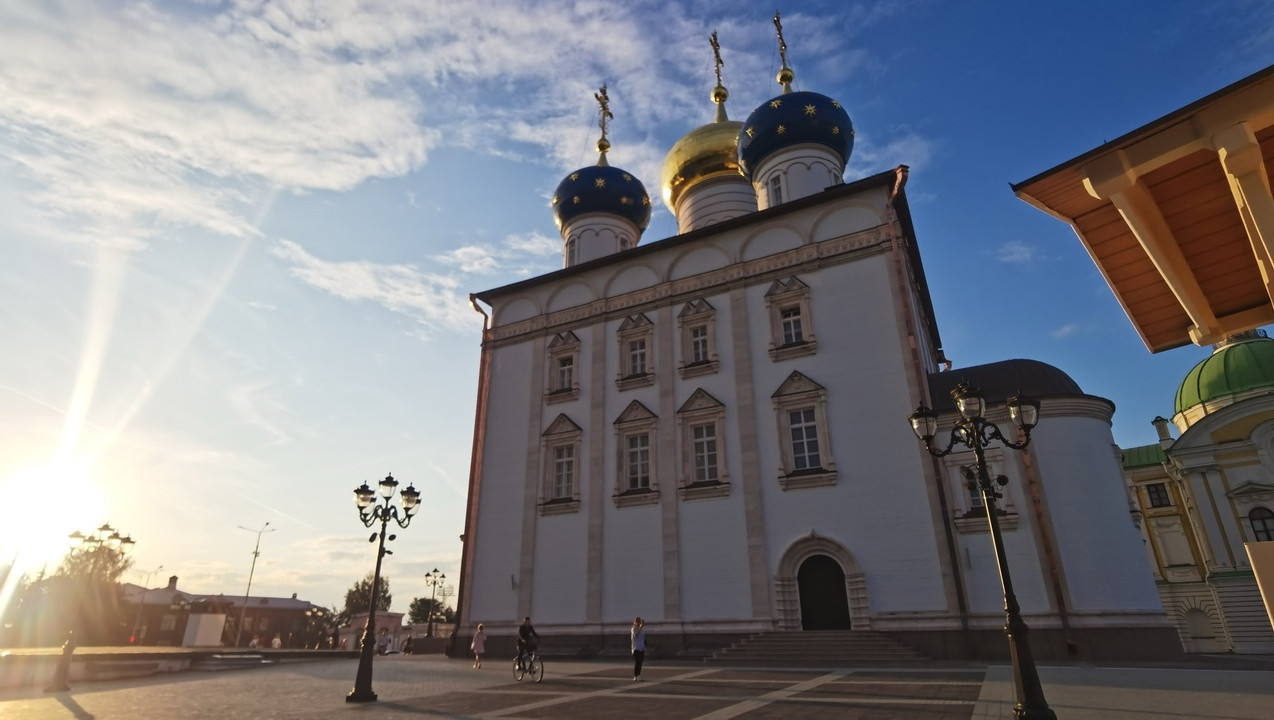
[1262,520]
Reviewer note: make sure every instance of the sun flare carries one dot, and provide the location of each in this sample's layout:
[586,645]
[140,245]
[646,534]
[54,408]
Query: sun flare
[30,540]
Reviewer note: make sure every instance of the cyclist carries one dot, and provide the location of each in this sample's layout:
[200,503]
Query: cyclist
[528,639]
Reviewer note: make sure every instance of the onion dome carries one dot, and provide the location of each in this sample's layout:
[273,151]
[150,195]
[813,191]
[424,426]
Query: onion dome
[601,188]
[791,119]
[794,118]
[1241,366]
[707,151]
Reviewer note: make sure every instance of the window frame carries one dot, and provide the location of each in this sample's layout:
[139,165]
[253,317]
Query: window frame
[636,421]
[695,315]
[561,433]
[774,189]
[800,393]
[701,410]
[785,296]
[635,328]
[1158,495]
[563,346]
[1267,522]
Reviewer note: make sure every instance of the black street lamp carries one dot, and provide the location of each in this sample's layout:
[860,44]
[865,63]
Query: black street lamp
[974,431]
[104,547]
[372,512]
[433,580]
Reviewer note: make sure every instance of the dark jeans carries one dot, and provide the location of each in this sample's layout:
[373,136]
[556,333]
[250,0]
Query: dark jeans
[638,657]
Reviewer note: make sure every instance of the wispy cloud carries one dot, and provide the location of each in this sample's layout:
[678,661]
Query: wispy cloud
[432,300]
[1064,331]
[1015,252]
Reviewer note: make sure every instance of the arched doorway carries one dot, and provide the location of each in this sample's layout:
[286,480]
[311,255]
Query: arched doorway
[821,586]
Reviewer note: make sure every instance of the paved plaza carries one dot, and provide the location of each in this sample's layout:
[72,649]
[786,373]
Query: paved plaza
[432,686]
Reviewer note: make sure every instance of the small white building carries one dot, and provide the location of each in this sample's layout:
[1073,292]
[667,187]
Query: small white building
[710,431]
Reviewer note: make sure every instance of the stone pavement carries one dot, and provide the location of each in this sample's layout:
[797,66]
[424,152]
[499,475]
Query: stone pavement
[432,686]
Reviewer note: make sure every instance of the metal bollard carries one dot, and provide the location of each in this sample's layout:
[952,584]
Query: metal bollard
[63,671]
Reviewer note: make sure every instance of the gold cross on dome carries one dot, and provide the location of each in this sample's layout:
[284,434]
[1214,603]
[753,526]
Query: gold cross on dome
[778,25]
[603,101]
[716,54]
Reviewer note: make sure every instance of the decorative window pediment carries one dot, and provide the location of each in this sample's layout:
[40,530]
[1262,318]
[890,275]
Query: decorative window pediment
[700,401]
[562,424]
[635,323]
[798,384]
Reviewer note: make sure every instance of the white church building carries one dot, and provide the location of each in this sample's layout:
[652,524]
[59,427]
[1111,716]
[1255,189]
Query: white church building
[710,431]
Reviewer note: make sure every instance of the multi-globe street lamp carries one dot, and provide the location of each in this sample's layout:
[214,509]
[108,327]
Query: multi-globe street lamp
[973,431]
[104,545]
[371,512]
[433,579]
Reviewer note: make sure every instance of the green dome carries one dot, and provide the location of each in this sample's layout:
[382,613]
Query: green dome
[1239,366]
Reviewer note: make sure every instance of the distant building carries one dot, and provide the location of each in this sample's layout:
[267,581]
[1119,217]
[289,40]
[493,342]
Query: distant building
[1209,491]
[163,614]
[710,431]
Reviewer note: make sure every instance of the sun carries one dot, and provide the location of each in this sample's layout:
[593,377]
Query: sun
[32,540]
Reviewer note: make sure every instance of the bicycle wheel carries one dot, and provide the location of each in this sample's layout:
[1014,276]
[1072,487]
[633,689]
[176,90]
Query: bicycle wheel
[519,671]
[537,669]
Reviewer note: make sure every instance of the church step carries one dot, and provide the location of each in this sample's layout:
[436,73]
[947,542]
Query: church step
[825,647]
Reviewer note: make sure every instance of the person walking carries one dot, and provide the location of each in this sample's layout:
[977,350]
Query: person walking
[478,646]
[638,638]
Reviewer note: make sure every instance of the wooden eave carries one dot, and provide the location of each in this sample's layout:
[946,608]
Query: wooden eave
[1178,215]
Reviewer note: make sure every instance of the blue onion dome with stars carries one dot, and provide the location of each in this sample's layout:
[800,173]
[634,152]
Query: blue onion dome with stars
[601,188]
[791,119]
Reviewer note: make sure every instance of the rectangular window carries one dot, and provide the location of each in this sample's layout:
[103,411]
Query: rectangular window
[168,623]
[566,372]
[791,319]
[705,452]
[638,462]
[637,357]
[1158,495]
[699,344]
[564,471]
[572,253]
[776,190]
[804,440]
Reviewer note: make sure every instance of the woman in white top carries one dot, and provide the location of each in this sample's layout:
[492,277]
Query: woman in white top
[638,637]
[478,646]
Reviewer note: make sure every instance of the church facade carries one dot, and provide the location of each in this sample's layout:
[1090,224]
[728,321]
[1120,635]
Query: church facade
[710,431]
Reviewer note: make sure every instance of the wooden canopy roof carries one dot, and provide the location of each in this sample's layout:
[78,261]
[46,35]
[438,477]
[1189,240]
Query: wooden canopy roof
[1178,215]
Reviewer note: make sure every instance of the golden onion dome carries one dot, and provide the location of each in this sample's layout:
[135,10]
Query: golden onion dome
[707,151]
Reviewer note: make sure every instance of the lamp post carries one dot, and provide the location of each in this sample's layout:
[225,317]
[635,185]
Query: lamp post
[975,432]
[103,544]
[433,580]
[256,552]
[137,623]
[371,512]
[314,617]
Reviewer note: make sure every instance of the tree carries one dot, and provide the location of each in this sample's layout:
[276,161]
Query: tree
[421,608]
[359,597]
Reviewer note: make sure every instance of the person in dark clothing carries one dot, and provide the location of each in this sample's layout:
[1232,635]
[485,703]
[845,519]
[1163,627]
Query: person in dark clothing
[528,638]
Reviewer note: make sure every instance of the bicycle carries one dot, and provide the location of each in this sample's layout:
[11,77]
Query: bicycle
[529,664]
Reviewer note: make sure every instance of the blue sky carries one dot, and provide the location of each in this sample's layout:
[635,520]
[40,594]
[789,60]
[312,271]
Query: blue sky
[237,238]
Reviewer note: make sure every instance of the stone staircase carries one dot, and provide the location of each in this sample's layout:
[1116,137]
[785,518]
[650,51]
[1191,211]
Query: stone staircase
[816,648]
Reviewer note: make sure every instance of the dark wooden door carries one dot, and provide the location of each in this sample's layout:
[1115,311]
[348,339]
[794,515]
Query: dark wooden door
[824,604]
